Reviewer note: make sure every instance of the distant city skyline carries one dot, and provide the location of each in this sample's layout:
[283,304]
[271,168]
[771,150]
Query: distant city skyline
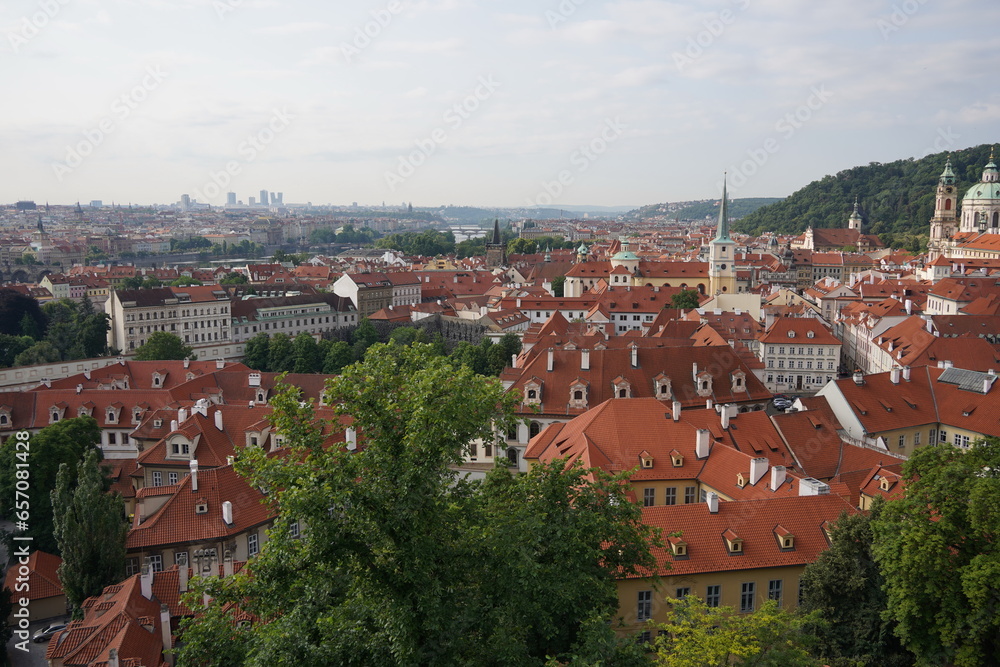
[560,103]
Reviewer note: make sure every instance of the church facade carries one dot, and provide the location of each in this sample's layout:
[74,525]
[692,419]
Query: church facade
[974,230]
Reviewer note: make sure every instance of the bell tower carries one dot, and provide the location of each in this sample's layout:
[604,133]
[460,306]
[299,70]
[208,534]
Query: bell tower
[944,224]
[722,252]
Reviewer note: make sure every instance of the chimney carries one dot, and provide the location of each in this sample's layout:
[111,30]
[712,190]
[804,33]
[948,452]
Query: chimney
[518,303]
[987,383]
[79,388]
[227,512]
[227,564]
[146,579]
[86,374]
[894,374]
[712,500]
[909,306]
[701,443]
[187,362]
[635,356]
[948,364]
[694,371]
[812,487]
[173,425]
[218,419]
[758,468]
[253,379]
[182,415]
[183,572]
[676,410]
[859,378]
[584,360]
[906,373]
[113,657]
[220,364]
[778,474]
[708,404]
[552,359]
[351,437]
[194,474]
[168,640]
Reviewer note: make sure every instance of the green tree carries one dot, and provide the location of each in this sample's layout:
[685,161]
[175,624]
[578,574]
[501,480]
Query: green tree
[234,278]
[151,282]
[280,354]
[404,562]
[521,247]
[337,357]
[844,588]
[132,282]
[6,630]
[306,354]
[66,442]
[558,285]
[90,529]
[163,345]
[696,635]
[257,352]
[408,335]
[184,281]
[11,347]
[686,299]
[937,549]
[42,352]
[364,337]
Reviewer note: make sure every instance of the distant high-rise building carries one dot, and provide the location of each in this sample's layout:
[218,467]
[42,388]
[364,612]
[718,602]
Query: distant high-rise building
[230,199]
[274,199]
[185,201]
[253,201]
[281,198]
[96,203]
[263,198]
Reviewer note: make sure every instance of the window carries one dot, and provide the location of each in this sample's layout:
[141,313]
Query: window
[293,529]
[252,546]
[181,558]
[747,597]
[933,439]
[131,566]
[683,592]
[703,496]
[689,492]
[648,497]
[156,563]
[671,498]
[533,429]
[171,478]
[943,436]
[774,590]
[645,637]
[644,612]
[961,440]
[157,478]
[713,596]
[916,438]
[902,441]
[112,438]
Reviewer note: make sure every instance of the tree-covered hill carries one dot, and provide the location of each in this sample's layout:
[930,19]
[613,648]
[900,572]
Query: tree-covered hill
[700,209]
[896,198]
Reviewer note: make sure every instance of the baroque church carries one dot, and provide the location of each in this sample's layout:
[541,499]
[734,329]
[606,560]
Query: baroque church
[834,239]
[973,231]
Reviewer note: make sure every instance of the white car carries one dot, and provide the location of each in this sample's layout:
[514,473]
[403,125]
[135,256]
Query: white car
[45,634]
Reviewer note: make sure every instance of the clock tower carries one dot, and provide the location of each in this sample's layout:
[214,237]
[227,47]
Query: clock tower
[944,224]
[722,253]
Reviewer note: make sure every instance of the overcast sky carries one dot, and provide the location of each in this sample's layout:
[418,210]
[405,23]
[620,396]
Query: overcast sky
[481,102]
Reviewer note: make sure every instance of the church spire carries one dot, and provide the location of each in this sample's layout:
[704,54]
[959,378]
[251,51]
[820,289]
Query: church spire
[722,232]
[496,231]
[947,176]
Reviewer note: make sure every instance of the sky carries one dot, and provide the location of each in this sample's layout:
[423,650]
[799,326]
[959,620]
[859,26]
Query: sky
[481,102]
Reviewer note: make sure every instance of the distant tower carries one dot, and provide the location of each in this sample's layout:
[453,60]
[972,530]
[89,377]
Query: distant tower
[855,221]
[281,199]
[496,249]
[581,253]
[230,199]
[721,252]
[263,198]
[945,221]
[185,202]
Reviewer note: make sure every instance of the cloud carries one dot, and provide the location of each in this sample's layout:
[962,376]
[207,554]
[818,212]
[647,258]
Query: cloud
[292,28]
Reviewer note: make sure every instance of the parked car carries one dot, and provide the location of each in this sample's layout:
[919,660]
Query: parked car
[782,402]
[46,633]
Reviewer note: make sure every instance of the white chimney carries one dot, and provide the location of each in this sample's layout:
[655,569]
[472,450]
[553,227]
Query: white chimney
[227,512]
[712,500]
[909,306]
[113,657]
[183,573]
[182,415]
[218,419]
[194,474]
[694,370]
[676,410]
[859,378]
[86,374]
[894,374]
[906,373]
[812,487]
[724,413]
[701,443]
[758,468]
[146,579]
[173,424]
[227,564]
[351,437]
[254,379]
[778,474]
[584,360]
[552,359]
[79,388]
[187,362]
[220,364]
[708,404]
[987,383]
[165,635]
[635,356]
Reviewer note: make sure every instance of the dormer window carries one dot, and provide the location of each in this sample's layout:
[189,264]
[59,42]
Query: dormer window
[646,459]
[676,459]
[4,419]
[791,334]
[157,423]
[136,415]
[622,388]
[885,484]
[741,479]
[785,538]
[733,543]
[578,395]
[678,547]
[533,391]
[810,335]
[112,417]
[201,507]
[53,416]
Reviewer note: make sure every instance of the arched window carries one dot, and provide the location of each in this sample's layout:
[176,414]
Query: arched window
[532,393]
[578,395]
[512,457]
[947,204]
[623,393]
[534,428]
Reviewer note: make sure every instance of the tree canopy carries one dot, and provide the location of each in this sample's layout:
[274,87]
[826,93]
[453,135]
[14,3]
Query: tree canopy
[401,561]
[163,345]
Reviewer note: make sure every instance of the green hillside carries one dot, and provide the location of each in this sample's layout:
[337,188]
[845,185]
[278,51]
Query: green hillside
[708,208]
[897,198]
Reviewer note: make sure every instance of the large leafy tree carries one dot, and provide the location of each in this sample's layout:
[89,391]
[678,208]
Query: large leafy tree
[938,551]
[696,635]
[306,354]
[338,355]
[845,589]
[162,345]
[255,354]
[64,442]
[14,307]
[684,299]
[90,529]
[400,560]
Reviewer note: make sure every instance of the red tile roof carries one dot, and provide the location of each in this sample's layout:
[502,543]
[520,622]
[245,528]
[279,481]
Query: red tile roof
[43,577]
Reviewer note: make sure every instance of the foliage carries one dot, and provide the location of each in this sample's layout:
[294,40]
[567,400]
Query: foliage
[404,562]
[64,442]
[75,331]
[257,351]
[696,635]
[90,529]
[11,346]
[896,198]
[475,247]
[558,285]
[14,307]
[306,355]
[338,355]
[686,299]
[6,630]
[347,234]
[42,352]
[364,337]
[189,244]
[184,281]
[163,345]
[234,278]
[844,587]
[937,549]
[280,354]
[429,243]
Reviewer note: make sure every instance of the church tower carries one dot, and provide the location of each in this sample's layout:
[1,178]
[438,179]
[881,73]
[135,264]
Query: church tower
[496,249]
[855,221]
[944,224]
[721,253]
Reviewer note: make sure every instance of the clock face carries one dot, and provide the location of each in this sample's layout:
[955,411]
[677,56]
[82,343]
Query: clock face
[722,266]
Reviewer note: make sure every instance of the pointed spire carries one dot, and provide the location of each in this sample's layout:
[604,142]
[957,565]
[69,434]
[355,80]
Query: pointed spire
[947,176]
[496,231]
[722,232]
